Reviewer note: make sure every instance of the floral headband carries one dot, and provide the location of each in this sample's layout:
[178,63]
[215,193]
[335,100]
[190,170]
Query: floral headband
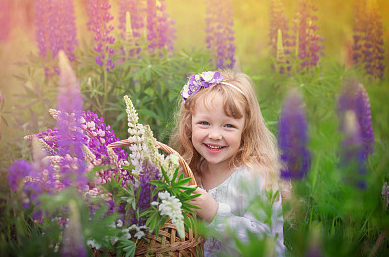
[203,80]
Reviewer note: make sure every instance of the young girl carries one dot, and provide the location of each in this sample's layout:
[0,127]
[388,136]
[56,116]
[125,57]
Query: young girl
[222,135]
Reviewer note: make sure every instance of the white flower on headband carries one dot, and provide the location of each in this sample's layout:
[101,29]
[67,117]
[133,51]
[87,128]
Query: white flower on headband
[203,80]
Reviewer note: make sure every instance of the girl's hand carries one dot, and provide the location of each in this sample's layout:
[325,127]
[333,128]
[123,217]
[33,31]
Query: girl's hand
[208,205]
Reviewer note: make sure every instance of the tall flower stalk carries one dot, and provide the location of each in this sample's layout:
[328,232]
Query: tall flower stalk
[157,27]
[356,126]
[55,30]
[99,19]
[307,42]
[70,135]
[352,155]
[220,33]
[293,138]
[368,46]
[160,32]
[355,98]
[279,34]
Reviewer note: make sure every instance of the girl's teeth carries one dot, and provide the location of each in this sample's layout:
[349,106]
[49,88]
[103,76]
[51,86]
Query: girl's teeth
[214,147]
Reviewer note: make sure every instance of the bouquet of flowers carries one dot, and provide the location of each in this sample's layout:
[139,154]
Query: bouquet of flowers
[139,191]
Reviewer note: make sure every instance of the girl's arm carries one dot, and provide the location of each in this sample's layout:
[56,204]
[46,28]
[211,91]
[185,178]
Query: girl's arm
[208,205]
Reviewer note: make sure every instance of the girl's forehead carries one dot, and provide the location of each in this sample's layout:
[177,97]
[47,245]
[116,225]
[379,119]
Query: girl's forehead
[213,101]
[210,101]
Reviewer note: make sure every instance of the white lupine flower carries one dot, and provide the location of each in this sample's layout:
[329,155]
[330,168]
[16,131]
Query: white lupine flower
[163,195]
[170,164]
[139,234]
[133,227]
[132,116]
[171,207]
[93,244]
[127,236]
[119,223]
[114,239]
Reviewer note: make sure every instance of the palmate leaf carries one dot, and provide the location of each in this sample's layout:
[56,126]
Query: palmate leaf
[127,246]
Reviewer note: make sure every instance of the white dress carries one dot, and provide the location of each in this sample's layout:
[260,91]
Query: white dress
[233,196]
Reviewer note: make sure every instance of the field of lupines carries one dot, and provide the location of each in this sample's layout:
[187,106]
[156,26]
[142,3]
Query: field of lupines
[98,71]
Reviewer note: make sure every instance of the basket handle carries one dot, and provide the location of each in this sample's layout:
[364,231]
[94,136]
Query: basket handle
[188,172]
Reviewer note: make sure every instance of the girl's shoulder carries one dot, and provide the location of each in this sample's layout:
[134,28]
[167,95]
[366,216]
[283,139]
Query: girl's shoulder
[244,175]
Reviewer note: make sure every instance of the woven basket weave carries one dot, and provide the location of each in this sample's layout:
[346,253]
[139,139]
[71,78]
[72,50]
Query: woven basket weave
[167,243]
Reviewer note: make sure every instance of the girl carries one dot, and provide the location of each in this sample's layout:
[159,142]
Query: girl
[222,135]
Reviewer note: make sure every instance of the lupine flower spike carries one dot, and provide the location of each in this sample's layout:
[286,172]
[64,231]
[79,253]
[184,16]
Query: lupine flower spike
[368,47]
[279,34]
[355,98]
[307,42]
[356,125]
[55,30]
[99,19]
[160,32]
[70,135]
[352,155]
[293,137]
[220,33]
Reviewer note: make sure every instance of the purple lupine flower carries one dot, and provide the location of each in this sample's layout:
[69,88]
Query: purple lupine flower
[50,137]
[279,36]
[355,98]
[219,32]
[151,26]
[70,135]
[136,10]
[5,20]
[17,172]
[352,155]
[278,21]
[150,172]
[165,27]
[97,136]
[307,42]
[55,29]
[99,18]
[368,47]
[292,138]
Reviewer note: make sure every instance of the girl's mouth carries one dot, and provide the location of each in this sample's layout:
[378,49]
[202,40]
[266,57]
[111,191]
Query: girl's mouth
[214,147]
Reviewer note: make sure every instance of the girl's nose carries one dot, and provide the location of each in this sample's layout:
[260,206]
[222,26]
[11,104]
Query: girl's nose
[215,134]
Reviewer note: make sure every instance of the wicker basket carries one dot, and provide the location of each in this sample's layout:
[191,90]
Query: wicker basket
[167,243]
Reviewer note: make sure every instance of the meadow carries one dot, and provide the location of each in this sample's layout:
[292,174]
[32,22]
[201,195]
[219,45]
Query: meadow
[331,56]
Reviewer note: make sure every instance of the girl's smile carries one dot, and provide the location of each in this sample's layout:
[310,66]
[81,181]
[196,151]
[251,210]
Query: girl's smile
[215,136]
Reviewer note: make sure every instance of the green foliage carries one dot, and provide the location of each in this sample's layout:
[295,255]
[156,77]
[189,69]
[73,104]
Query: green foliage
[176,187]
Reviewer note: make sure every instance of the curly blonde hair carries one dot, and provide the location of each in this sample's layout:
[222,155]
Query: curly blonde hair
[258,148]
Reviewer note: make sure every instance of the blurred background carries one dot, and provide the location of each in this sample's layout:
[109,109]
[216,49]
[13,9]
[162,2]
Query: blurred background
[251,26]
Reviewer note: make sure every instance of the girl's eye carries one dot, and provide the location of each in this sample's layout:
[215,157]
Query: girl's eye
[229,126]
[204,123]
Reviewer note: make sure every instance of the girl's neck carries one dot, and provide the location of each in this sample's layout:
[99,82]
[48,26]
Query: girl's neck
[214,175]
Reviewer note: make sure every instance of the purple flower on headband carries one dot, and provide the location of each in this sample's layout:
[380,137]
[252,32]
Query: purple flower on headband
[196,82]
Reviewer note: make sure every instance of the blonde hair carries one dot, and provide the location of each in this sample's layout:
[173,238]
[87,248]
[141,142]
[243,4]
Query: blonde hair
[258,148]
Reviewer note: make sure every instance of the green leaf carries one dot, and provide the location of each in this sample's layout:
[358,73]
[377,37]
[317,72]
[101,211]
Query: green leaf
[182,181]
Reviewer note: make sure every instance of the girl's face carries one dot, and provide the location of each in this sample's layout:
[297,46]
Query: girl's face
[215,136]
